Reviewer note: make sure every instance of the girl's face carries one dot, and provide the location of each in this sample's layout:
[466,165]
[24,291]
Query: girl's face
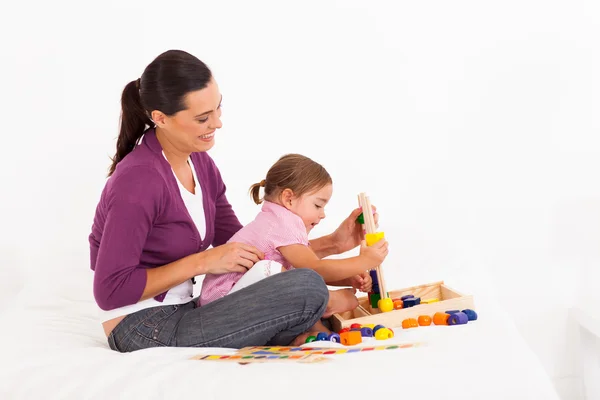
[310,206]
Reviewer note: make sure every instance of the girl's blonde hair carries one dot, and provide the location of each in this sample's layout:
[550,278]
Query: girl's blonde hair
[296,172]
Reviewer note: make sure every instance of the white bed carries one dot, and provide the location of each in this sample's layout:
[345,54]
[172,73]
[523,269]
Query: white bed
[53,348]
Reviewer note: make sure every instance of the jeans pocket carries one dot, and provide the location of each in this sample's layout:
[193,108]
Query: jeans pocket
[156,326]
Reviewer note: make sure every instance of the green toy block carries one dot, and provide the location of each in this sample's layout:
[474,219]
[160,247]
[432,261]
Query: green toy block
[374,299]
[360,219]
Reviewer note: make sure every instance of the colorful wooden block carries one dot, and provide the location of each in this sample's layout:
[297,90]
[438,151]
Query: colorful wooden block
[410,302]
[365,331]
[334,337]
[458,318]
[385,305]
[361,219]
[351,338]
[374,299]
[384,334]
[441,318]
[372,238]
[409,323]
[471,314]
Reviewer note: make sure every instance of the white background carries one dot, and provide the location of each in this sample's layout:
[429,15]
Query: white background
[472,125]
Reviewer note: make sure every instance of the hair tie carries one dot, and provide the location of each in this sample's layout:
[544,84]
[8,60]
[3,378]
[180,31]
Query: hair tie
[137,83]
[263,183]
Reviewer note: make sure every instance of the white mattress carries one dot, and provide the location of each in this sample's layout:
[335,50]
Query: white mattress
[53,348]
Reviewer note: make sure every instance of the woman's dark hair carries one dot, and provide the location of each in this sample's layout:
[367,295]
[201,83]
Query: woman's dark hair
[292,171]
[163,86]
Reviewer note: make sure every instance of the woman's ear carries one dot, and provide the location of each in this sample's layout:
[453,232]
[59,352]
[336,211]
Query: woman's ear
[158,118]
[287,198]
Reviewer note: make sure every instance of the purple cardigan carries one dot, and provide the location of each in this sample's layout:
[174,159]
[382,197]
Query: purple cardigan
[141,222]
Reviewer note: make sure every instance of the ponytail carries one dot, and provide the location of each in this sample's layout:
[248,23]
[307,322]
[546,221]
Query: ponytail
[255,191]
[133,122]
[296,172]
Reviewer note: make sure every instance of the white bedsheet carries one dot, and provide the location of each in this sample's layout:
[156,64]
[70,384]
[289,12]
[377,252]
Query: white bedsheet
[53,348]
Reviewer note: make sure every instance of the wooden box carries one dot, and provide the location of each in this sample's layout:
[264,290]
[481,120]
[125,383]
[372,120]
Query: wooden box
[449,299]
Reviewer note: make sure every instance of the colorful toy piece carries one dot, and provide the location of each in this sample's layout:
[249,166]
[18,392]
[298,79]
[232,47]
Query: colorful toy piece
[385,305]
[410,302]
[408,296]
[374,299]
[334,337]
[409,323]
[351,338]
[365,331]
[361,219]
[355,326]
[398,304]
[322,336]
[310,339]
[471,314]
[424,320]
[383,334]
[429,301]
[372,238]
[440,318]
[458,318]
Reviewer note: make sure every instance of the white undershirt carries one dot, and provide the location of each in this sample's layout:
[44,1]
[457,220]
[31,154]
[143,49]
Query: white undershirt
[193,201]
[183,292]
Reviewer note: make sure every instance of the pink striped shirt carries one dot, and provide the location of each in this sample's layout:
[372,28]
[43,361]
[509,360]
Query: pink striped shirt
[273,227]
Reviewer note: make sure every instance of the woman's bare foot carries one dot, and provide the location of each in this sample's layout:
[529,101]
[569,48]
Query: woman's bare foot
[314,331]
[341,300]
[301,339]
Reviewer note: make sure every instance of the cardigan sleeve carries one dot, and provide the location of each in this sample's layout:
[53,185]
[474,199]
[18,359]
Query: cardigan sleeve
[130,206]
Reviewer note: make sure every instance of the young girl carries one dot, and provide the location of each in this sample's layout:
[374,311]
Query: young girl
[297,189]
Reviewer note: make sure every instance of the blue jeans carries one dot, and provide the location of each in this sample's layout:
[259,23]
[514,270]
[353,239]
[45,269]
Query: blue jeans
[273,311]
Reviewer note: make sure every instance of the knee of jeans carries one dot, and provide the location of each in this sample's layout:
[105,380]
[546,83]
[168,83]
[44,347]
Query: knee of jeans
[313,285]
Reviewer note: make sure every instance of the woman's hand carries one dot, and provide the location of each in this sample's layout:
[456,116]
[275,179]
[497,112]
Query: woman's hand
[349,234]
[230,257]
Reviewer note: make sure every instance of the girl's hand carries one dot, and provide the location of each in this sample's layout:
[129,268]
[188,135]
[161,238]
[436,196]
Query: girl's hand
[349,234]
[230,257]
[362,282]
[375,254]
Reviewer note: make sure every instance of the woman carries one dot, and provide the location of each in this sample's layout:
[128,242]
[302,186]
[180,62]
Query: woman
[163,205]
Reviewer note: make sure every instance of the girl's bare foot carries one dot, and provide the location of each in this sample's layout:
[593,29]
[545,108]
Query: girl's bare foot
[341,300]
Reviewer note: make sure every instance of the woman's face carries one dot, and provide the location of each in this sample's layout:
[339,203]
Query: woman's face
[193,129]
